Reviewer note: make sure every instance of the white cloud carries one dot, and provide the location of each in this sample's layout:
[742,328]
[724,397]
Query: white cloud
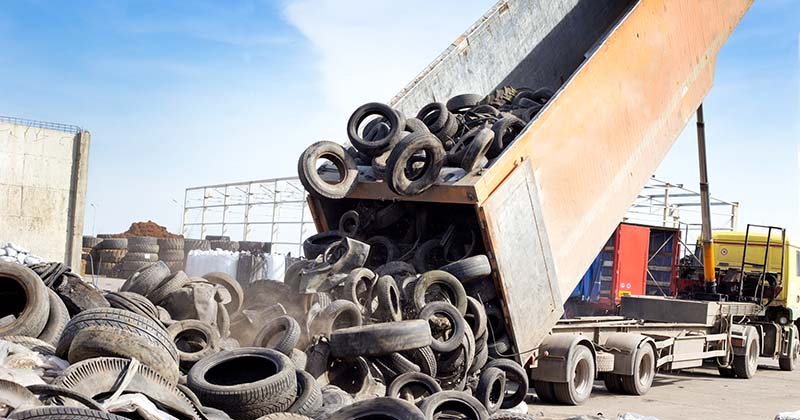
[369,50]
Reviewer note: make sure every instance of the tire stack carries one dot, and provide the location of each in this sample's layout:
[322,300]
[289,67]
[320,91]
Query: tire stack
[108,256]
[171,251]
[142,251]
[88,254]
[225,245]
[190,245]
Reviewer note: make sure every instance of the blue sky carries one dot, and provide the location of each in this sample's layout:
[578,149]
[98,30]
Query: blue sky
[179,94]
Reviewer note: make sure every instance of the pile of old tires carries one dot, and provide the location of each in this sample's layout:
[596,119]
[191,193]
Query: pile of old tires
[409,153]
[142,251]
[190,245]
[88,254]
[171,251]
[108,256]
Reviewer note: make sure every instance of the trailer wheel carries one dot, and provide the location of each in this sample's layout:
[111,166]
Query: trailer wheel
[582,368]
[544,390]
[644,369]
[789,363]
[746,366]
[613,383]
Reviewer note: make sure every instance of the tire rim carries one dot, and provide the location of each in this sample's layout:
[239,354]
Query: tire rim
[646,369]
[581,380]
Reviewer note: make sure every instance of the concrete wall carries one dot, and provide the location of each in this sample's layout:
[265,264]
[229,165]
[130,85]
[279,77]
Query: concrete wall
[43,175]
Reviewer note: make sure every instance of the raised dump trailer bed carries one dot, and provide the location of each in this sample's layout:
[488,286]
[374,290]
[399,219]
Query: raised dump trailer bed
[627,75]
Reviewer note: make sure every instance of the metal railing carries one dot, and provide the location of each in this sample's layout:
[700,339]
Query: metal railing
[67,128]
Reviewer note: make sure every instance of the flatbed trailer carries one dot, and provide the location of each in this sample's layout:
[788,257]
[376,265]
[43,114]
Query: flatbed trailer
[628,76]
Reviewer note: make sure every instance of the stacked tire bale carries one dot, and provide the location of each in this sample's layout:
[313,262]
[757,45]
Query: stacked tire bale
[465,135]
[142,251]
[171,251]
[108,256]
[224,244]
[88,255]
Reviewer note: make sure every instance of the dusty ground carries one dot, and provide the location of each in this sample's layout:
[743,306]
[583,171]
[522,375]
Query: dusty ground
[697,394]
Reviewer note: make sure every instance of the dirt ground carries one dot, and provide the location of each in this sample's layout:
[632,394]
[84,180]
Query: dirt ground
[694,394]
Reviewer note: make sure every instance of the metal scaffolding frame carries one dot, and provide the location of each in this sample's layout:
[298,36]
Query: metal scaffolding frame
[275,211]
[268,210]
[674,206]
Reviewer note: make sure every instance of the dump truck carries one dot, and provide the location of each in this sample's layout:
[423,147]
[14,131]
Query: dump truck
[627,76]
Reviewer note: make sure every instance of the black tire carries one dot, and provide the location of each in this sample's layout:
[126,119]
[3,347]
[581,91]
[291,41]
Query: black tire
[110,255]
[403,387]
[318,358]
[397,176]
[56,321]
[315,245]
[380,339]
[299,359]
[500,96]
[477,145]
[516,374]
[224,244]
[106,341]
[24,296]
[382,250]
[133,302]
[357,286]
[147,279]
[481,357]
[425,359]
[171,255]
[121,321]
[170,244]
[491,389]
[140,257]
[581,364]
[339,314]
[281,334]
[349,223]
[99,377]
[453,334]
[789,363]
[470,268]
[476,317]
[194,340]
[246,383]
[168,286]
[613,383]
[384,301]
[31,343]
[383,408]
[399,270]
[192,244]
[545,392]
[450,285]
[415,125]
[462,103]
[285,416]
[644,370]
[454,401]
[726,372]
[291,276]
[746,365]
[309,394]
[429,255]
[113,243]
[344,163]
[505,131]
[45,390]
[400,363]
[55,412]
[143,244]
[434,115]
[232,286]
[375,146]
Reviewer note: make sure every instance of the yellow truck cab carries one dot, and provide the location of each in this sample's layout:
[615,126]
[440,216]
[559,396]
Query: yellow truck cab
[728,249]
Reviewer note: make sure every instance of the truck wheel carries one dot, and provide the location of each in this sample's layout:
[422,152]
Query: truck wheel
[726,372]
[789,363]
[644,369]
[544,390]
[576,391]
[746,366]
